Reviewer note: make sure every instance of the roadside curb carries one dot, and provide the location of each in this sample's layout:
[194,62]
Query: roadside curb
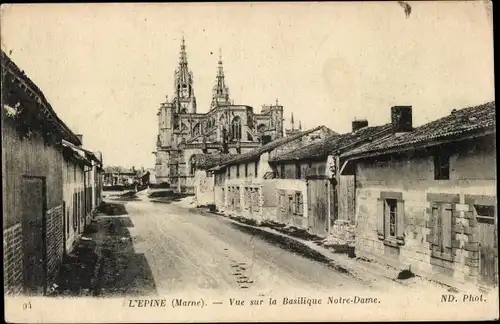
[352,266]
[337,261]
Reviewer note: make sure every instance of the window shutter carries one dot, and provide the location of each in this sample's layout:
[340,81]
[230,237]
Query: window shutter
[446,215]
[435,225]
[400,221]
[380,219]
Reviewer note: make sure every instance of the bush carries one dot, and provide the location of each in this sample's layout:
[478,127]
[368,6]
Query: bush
[163,185]
[162,193]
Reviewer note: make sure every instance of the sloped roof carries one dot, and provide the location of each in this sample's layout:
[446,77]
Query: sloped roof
[333,144]
[207,161]
[255,153]
[76,153]
[20,75]
[118,169]
[459,122]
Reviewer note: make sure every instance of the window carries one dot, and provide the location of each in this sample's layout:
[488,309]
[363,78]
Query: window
[246,170]
[441,231]
[238,171]
[282,171]
[255,169]
[485,214]
[390,223]
[299,204]
[236,128]
[192,167]
[442,166]
[290,205]
[391,212]
[298,174]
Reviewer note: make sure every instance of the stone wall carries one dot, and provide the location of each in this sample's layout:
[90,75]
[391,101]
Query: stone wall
[54,241]
[13,259]
[203,188]
[412,180]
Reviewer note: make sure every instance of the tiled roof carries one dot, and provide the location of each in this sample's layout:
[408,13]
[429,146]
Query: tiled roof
[250,155]
[459,122]
[333,144]
[206,161]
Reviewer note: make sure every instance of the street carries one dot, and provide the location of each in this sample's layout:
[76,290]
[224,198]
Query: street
[173,249]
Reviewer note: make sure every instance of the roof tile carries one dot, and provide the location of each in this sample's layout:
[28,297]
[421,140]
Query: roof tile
[460,121]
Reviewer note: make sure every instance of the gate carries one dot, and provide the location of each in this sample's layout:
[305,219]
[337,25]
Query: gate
[33,224]
[488,249]
[317,199]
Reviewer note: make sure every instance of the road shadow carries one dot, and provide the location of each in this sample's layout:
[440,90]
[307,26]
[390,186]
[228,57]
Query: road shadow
[290,245]
[104,263]
[122,272]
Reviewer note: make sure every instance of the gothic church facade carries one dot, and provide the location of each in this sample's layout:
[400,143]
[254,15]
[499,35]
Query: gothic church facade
[225,128]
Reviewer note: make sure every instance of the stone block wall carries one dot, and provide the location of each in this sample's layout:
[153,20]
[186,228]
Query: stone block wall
[13,259]
[343,232]
[54,241]
[414,181]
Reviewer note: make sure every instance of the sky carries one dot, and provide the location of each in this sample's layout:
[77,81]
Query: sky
[105,68]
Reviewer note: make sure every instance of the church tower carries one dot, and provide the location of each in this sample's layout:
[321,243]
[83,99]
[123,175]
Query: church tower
[220,92]
[184,98]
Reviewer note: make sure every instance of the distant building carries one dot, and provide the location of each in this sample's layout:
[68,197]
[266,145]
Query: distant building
[82,189]
[225,129]
[204,180]
[245,185]
[119,176]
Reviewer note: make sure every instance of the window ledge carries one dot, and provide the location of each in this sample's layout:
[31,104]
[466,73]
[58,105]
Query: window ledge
[394,242]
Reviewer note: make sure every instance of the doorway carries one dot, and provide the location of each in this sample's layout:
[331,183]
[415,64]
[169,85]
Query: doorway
[33,199]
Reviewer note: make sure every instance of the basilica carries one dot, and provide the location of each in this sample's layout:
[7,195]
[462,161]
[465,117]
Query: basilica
[225,128]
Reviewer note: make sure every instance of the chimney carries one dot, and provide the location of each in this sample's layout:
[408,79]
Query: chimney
[265,139]
[80,138]
[401,119]
[358,124]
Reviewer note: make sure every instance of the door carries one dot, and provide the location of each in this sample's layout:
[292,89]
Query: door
[33,223]
[488,249]
[317,198]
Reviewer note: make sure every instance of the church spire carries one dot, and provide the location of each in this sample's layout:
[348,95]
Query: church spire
[184,92]
[292,122]
[220,92]
[183,55]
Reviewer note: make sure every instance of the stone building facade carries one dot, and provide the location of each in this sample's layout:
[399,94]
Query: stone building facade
[426,197]
[226,128]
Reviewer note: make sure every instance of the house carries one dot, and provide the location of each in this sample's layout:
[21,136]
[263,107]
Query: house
[81,189]
[119,176]
[204,184]
[310,176]
[247,182]
[32,182]
[426,196]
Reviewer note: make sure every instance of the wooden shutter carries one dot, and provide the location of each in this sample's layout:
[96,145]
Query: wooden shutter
[446,214]
[435,226]
[380,219]
[400,221]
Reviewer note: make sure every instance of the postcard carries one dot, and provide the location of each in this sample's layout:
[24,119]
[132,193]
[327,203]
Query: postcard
[245,162]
